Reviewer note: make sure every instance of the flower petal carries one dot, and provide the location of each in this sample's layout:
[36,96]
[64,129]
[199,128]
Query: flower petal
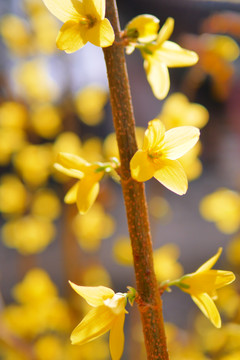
[146,25]
[116,338]
[207,281]
[69,172]
[142,168]
[95,8]
[94,295]
[64,10]
[72,161]
[71,195]
[172,175]
[179,140]
[87,193]
[211,262]
[173,55]
[71,37]
[157,76]
[209,309]
[166,31]
[96,323]
[101,34]
[154,135]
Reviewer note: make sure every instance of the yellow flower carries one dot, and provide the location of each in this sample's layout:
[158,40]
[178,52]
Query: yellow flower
[108,313]
[222,207]
[83,21]
[85,191]
[202,286]
[177,110]
[157,158]
[141,29]
[161,55]
[92,228]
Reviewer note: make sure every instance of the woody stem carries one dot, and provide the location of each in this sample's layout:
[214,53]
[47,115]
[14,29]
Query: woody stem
[149,300]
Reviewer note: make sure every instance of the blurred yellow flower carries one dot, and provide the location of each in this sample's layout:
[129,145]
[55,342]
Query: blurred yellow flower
[15,34]
[161,55]
[157,158]
[191,163]
[92,149]
[165,262]
[110,146]
[177,110]
[38,309]
[203,284]
[86,190]
[13,196]
[93,227]
[13,115]
[90,102]
[36,287]
[11,141]
[34,164]
[233,250]
[34,81]
[108,313]
[46,204]
[48,347]
[165,258]
[46,120]
[83,21]
[222,207]
[95,275]
[28,234]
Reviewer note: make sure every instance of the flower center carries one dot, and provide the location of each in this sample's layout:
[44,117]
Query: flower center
[88,20]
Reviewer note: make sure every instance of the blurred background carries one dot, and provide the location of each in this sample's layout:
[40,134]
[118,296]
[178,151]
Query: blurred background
[51,102]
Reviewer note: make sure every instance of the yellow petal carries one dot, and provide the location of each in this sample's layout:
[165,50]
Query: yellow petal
[209,309]
[71,37]
[157,76]
[95,8]
[172,175]
[178,141]
[71,195]
[94,295]
[207,281]
[166,31]
[146,25]
[64,10]
[154,136]
[211,262]
[101,34]
[72,161]
[173,55]
[69,172]
[96,323]
[142,168]
[87,193]
[116,338]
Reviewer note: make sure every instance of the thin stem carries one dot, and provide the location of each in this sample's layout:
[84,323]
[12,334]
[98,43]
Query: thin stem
[149,300]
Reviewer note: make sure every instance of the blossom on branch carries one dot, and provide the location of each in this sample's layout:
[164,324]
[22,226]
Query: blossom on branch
[86,190]
[203,284]
[83,21]
[159,154]
[108,313]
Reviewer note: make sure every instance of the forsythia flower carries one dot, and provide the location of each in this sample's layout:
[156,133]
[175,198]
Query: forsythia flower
[162,54]
[83,21]
[202,286]
[108,313]
[157,158]
[85,191]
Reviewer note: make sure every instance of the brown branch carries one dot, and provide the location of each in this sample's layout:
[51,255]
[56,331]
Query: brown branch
[149,300]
